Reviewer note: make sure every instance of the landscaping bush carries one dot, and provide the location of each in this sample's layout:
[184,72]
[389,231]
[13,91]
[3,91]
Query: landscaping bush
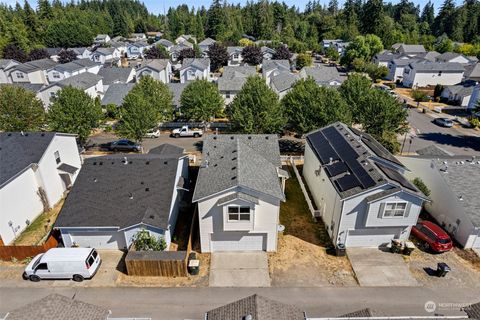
[421,186]
[144,241]
[392,86]
[111,111]
[419,96]
[474,122]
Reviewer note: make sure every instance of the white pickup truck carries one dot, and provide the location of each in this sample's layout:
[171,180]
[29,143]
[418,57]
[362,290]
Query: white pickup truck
[185,131]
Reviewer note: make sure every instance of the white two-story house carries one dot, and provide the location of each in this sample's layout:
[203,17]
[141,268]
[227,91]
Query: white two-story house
[238,193]
[36,169]
[423,74]
[359,188]
[232,81]
[5,66]
[135,49]
[31,72]
[106,55]
[235,56]
[195,68]
[67,70]
[158,69]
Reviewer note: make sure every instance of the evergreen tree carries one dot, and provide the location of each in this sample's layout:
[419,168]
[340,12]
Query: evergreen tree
[252,55]
[444,20]
[218,56]
[372,13]
[428,15]
[215,20]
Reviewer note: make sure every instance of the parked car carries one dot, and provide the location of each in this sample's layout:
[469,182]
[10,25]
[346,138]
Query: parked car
[185,131]
[443,122]
[124,145]
[152,133]
[433,236]
[64,263]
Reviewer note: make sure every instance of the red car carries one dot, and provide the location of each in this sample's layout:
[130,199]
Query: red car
[433,236]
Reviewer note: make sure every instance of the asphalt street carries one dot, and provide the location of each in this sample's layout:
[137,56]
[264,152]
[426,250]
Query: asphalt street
[192,303]
[424,133]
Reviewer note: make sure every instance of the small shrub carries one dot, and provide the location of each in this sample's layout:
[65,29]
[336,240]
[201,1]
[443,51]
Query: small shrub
[474,122]
[145,241]
[419,96]
[111,111]
[392,86]
[421,186]
[108,128]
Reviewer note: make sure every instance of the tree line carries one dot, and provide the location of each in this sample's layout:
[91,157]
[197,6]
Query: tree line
[57,24]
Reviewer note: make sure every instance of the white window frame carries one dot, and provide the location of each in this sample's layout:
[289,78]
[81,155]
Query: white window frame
[56,75]
[238,213]
[395,209]
[20,75]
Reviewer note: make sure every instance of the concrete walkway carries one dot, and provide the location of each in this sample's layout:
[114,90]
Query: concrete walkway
[375,268]
[239,269]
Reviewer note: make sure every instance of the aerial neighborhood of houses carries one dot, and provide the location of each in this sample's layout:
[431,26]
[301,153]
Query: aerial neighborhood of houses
[201,209]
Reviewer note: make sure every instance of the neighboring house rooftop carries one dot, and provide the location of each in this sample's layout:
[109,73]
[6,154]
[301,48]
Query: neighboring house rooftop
[473,72]
[167,149]
[79,50]
[121,191]
[112,75]
[198,63]
[234,77]
[53,51]
[268,65]
[437,66]
[248,161]
[283,81]
[55,307]
[387,56]
[430,56]
[75,65]
[232,50]
[411,48]
[462,177]
[155,64]
[405,62]
[177,89]
[164,42]
[34,87]
[323,75]
[207,42]
[355,162]
[82,81]
[5,63]
[42,64]
[258,307]
[20,150]
[105,51]
[116,93]
[461,90]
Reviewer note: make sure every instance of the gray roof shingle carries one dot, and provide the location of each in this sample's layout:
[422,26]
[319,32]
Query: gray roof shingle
[248,161]
[55,307]
[283,81]
[115,75]
[411,48]
[234,77]
[177,89]
[260,308]
[199,63]
[116,92]
[110,193]
[268,65]
[154,64]
[18,151]
[82,81]
[425,66]
[323,75]
[167,149]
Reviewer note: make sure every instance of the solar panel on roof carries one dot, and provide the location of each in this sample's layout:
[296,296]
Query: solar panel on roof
[336,168]
[322,148]
[347,182]
[397,176]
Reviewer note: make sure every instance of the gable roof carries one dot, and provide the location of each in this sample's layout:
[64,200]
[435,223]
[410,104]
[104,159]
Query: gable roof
[424,66]
[234,77]
[430,55]
[248,161]
[35,65]
[55,306]
[82,81]
[75,65]
[154,64]
[177,89]
[167,149]
[115,75]
[387,56]
[207,42]
[6,63]
[354,166]
[258,307]
[18,151]
[198,63]
[323,75]
[473,72]
[110,193]
[268,65]
[104,51]
[116,93]
[461,90]
[232,50]
[283,81]
[411,48]
[79,50]
[164,42]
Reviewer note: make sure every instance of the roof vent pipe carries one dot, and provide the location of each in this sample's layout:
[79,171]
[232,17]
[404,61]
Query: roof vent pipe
[330,160]
[130,195]
[125,161]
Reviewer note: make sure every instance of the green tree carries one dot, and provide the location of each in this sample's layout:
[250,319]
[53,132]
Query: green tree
[376,72]
[256,109]
[20,110]
[74,111]
[372,14]
[362,47]
[309,106]
[200,101]
[304,60]
[444,44]
[332,54]
[218,55]
[354,90]
[143,240]
[252,55]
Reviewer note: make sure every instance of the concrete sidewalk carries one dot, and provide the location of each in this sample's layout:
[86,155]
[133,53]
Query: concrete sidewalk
[239,269]
[375,268]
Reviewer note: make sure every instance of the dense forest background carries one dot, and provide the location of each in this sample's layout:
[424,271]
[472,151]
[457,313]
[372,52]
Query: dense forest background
[54,24]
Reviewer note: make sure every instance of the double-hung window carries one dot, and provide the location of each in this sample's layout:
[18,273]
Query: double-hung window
[395,210]
[238,213]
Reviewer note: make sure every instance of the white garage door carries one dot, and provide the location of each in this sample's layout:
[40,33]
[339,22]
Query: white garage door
[370,237]
[238,241]
[99,240]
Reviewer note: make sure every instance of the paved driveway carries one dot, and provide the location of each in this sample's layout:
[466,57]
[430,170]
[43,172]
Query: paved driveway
[239,269]
[375,268]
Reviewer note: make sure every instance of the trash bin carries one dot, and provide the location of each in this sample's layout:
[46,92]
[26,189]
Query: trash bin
[409,247]
[442,269]
[192,256]
[340,250]
[194,267]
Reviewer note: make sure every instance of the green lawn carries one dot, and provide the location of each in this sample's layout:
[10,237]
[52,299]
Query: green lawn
[296,217]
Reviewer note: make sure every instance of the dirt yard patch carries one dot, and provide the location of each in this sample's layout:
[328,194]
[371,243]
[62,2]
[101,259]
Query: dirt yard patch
[303,256]
[40,227]
[465,268]
[200,280]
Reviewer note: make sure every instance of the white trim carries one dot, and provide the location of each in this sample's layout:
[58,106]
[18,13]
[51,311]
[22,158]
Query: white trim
[395,209]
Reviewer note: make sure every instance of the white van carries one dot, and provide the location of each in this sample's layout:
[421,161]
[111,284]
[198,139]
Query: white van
[64,263]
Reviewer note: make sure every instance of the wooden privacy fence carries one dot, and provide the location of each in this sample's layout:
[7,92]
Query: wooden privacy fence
[157,263]
[23,252]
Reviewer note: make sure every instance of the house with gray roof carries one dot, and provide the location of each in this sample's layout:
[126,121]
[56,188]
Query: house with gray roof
[176,49]
[176,89]
[409,49]
[135,49]
[472,72]
[475,98]
[32,71]
[69,69]
[256,307]
[396,67]
[455,197]
[204,44]
[158,69]
[109,55]
[283,82]
[90,83]
[5,66]
[429,56]
[460,94]
[235,56]
[456,57]
[82,52]
[323,75]
[426,73]
[101,39]
[239,189]
[116,196]
[111,75]
[233,79]
[36,170]
[274,67]
[195,68]
[359,188]
[267,52]
[165,43]
[116,93]
[383,58]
